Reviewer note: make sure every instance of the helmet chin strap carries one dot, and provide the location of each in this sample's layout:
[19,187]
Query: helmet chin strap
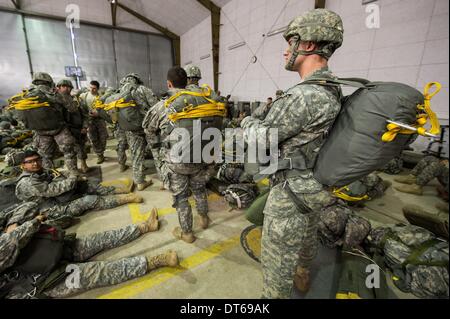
[294,49]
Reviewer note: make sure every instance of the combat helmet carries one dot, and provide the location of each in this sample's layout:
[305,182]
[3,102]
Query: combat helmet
[130,78]
[319,25]
[65,82]
[193,71]
[42,77]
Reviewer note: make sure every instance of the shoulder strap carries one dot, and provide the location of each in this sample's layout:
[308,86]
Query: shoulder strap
[353,82]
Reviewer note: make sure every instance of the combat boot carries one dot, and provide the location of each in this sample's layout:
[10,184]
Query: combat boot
[410,189]
[302,279]
[151,224]
[128,199]
[408,179]
[204,221]
[144,185]
[123,168]
[100,159]
[169,259]
[186,237]
[83,167]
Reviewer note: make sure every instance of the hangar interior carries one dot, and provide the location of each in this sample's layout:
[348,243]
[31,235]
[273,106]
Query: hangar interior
[238,45]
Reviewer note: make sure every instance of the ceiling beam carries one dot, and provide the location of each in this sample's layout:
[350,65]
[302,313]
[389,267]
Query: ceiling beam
[215,27]
[320,4]
[16,4]
[174,37]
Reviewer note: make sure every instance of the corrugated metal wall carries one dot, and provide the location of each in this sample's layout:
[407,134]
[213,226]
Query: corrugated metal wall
[104,54]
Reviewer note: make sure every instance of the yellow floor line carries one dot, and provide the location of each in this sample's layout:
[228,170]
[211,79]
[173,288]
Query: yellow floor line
[164,274]
[138,217]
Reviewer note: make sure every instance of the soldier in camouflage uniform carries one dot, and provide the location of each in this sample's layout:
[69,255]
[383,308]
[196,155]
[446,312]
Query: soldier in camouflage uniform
[78,123]
[425,171]
[122,146]
[394,167]
[97,132]
[45,140]
[17,231]
[64,197]
[302,116]
[144,99]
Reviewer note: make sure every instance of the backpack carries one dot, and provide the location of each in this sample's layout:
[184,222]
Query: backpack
[370,129]
[241,196]
[195,110]
[34,109]
[8,191]
[123,109]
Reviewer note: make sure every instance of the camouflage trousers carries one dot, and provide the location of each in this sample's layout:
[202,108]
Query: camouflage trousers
[137,143]
[184,180]
[97,274]
[289,238]
[82,205]
[429,168]
[80,144]
[98,135]
[122,145]
[45,144]
[394,167]
[158,160]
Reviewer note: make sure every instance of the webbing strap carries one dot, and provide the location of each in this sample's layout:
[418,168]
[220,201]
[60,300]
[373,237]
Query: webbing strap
[414,257]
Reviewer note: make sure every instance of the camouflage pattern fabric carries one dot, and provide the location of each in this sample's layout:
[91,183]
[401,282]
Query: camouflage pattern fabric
[193,71]
[394,167]
[261,112]
[183,179]
[98,135]
[301,115]
[122,145]
[398,244]
[429,168]
[137,143]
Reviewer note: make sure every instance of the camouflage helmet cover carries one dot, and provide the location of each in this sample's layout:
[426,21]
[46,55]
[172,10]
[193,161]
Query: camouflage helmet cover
[193,71]
[65,82]
[42,76]
[130,76]
[320,26]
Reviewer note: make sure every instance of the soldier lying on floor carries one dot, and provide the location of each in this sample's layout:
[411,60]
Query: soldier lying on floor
[40,261]
[60,196]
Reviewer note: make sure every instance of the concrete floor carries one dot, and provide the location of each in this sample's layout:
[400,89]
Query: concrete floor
[215,266]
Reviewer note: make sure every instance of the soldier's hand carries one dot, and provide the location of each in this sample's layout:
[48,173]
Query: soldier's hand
[11,228]
[41,217]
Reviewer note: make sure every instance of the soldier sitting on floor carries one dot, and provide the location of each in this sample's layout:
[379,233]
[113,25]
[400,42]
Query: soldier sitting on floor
[29,269]
[62,196]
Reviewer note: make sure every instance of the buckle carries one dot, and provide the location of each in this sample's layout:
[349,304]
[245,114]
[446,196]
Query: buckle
[290,162]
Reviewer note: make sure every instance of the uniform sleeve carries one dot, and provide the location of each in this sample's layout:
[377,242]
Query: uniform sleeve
[67,102]
[10,244]
[287,117]
[153,122]
[29,188]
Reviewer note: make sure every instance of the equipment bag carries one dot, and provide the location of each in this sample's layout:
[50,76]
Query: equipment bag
[35,111]
[123,109]
[8,193]
[374,126]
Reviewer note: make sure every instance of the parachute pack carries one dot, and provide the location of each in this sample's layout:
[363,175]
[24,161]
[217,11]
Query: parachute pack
[194,110]
[123,110]
[34,109]
[374,126]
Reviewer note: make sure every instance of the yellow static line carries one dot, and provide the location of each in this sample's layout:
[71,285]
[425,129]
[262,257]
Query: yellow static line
[164,274]
[138,217]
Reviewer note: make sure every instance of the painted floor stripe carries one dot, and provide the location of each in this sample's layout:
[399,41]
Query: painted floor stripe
[138,217]
[164,274]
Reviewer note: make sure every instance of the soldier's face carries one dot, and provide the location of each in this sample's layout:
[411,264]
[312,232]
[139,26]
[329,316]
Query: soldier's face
[32,164]
[64,89]
[93,89]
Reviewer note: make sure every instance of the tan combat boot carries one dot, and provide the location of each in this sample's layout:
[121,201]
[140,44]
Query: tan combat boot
[141,187]
[408,179]
[186,237]
[302,279]
[169,259]
[410,189]
[204,221]
[151,224]
[100,159]
[128,198]
[83,167]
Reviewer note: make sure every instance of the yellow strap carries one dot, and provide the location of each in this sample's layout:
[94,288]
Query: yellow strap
[55,173]
[118,104]
[348,295]
[204,110]
[393,130]
[205,92]
[338,193]
[27,104]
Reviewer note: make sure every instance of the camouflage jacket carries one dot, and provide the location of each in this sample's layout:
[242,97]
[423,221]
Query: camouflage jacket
[43,187]
[13,242]
[303,114]
[261,112]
